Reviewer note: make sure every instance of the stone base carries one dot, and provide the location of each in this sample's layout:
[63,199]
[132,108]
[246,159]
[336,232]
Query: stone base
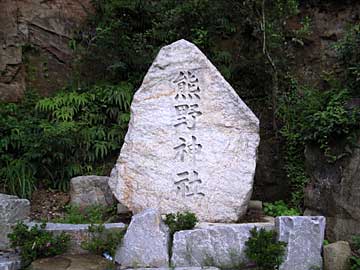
[9,261]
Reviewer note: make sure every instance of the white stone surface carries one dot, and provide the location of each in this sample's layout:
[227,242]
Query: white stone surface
[220,245]
[146,242]
[191,143]
[304,236]
[9,261]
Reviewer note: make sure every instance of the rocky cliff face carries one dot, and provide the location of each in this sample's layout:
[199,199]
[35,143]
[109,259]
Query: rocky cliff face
[334,191]
[37,33]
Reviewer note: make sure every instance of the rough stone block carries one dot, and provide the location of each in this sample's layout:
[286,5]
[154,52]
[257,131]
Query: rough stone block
[304,236]
[146,242]
[220,245]
[89,190]
[13,209]
[9,261]
[337,256]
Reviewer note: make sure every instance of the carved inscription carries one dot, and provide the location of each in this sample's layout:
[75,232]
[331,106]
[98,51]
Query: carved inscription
[187,112]
[188,184]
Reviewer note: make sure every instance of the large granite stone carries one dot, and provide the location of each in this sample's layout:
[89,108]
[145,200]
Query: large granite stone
[304,237]
[191,143]
[220,245]
[89,190]
[146,242]
[337,256]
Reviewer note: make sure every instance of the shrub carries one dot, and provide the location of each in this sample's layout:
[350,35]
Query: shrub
[355,259]
[35,242]
[88,215]
[279,208]
[102,241]
[180,221]
[47,141]
[263,249]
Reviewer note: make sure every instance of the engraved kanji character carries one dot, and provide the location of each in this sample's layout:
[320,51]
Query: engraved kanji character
[187,85]
[186,115]
[188,184]
[187,149]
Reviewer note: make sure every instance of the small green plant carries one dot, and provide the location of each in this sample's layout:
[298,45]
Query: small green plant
[263,249]
[102,241]
[280,208]
[355,259]
[93,214]
[180,221]
[36,242]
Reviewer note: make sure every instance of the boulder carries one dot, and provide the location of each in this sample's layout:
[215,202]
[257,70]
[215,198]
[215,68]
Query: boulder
[337,256]
[220,245]
[334,190]
[191,143]
[72,262]
[12,210]
[89,190]
[146,242]
[304,237]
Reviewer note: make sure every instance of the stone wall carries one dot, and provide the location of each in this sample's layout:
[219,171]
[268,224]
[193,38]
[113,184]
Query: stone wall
[34,38]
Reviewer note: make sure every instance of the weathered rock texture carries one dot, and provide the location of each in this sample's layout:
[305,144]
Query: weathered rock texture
[78,233]
[12,210]
[221,245]
[146,242]
[334,191]
[337,256]
[36,34]
[9,261]
[304,237]
[191,143]
[89,190]
[72,262]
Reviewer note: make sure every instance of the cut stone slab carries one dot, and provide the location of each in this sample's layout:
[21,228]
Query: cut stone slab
[304,236]
[89,190]
[5,229]
[72,262]
[220,245]
[337,256]
[78,233]
[13,209]
[9,261]
[146,242]
[191,143]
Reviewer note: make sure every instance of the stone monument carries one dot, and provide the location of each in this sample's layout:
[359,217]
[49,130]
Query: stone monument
[191,143]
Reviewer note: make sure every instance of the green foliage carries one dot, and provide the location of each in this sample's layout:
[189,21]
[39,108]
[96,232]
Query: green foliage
[180,221]
[279,208]
[94,214]
[36,243]
[312,116]
[263,249]
[101,240]
[47,141]
[349,54]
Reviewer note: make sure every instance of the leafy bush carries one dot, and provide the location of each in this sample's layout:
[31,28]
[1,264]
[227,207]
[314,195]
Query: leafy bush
[279,208]
[47,141]
[355,259]
[102,241]
[180,221]
[88,215]
[263,249]
[35,242]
